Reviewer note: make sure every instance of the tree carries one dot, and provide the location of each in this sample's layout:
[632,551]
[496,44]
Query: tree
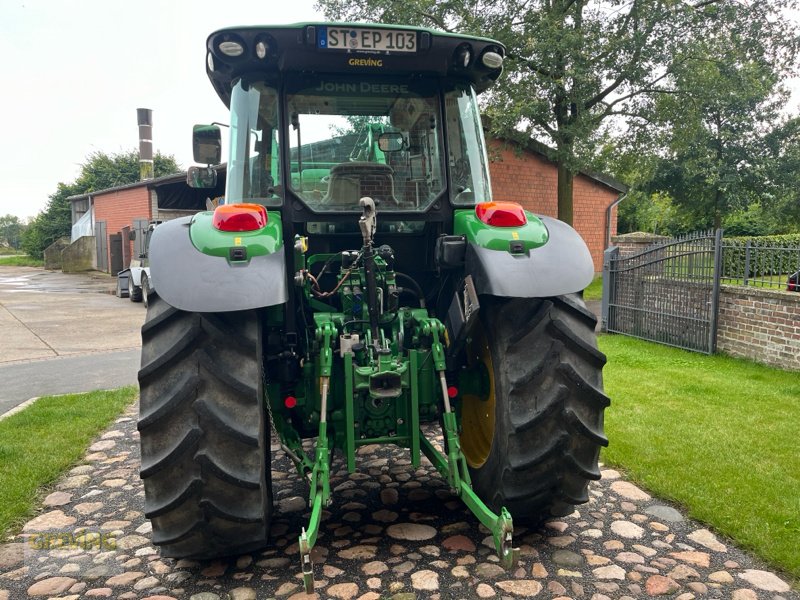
[572,65]
[100,171]
[11,229]
[784,144]
[715,125]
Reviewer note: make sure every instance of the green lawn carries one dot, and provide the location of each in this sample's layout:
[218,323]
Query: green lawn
[595,289]
[40,442]
[777,282]
[714,434]
[20,261]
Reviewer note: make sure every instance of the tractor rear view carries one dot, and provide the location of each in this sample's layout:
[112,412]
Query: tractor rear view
[359,286]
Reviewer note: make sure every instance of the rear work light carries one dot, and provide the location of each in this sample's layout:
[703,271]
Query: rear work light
[501,214]
[239,217]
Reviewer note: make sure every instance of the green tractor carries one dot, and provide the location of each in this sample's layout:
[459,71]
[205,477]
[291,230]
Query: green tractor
[357,285]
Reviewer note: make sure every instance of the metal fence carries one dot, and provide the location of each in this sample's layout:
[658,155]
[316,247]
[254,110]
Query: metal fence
[760,264]
[668,293]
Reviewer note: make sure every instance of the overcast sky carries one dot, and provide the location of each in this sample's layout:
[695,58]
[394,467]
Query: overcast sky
[75,71]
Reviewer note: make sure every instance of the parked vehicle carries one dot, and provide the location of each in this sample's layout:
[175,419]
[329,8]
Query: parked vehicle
[135,282]
[356,283]
[793,282]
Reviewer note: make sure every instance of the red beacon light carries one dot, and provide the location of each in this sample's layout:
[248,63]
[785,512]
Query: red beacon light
[239,217]
[501,214]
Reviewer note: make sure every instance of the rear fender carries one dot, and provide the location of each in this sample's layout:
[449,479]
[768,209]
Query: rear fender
[193,281]
[562,265]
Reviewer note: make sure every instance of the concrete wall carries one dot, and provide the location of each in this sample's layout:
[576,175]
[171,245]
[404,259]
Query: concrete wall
[80,255]
[762,325]
[52,254]
[639,241]
[526,177]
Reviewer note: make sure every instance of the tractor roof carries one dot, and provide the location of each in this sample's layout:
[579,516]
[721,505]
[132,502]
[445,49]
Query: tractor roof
[358,49]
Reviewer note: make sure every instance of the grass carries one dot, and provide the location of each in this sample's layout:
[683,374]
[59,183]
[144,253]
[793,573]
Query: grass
[40,442]
[715,434]
[20,261]
[777,282]
[595,289]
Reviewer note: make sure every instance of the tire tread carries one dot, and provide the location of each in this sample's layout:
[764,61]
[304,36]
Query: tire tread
[204,432]
[549,406]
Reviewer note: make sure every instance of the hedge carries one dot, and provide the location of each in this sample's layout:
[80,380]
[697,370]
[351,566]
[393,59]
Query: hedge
[769,255]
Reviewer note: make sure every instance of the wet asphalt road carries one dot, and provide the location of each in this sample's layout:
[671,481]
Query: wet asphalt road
[64,333]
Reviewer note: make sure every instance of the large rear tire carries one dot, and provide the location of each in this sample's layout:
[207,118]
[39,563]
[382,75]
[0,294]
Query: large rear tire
[533,443]
[204,432]
[146,291]
[134,291]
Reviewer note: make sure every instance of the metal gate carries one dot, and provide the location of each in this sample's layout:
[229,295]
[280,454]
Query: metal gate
[102,245]
[115,250]
[667,294]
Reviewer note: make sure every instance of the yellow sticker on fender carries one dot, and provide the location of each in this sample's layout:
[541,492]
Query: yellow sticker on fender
[515,235]
[237,241]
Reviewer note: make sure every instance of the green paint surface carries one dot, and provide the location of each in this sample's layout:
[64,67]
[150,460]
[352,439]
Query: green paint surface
[214,242]
[533,234]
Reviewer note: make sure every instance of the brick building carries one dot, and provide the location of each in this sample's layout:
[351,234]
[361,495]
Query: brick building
[520,172]
[117,212]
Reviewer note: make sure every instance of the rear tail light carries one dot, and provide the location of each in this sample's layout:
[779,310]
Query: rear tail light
[501,214]
[239,217]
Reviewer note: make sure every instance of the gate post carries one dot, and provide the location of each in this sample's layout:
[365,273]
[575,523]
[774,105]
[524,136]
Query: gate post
[746,262]
[609,255]
[712,330]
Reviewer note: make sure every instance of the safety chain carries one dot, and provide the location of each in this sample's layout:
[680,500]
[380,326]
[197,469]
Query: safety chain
[296,459]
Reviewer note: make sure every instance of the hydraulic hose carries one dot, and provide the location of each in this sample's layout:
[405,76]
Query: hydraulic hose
[414,285]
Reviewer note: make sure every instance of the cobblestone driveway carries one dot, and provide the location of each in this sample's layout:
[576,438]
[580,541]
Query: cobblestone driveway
[391,533]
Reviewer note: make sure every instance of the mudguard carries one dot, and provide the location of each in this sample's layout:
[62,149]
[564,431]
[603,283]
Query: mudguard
[562,266]
[195,282]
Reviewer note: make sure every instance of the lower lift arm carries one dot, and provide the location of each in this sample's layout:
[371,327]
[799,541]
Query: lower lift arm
[454,465]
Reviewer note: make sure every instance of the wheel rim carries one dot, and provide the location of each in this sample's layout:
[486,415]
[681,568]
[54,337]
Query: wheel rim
[130,286]
[478,414]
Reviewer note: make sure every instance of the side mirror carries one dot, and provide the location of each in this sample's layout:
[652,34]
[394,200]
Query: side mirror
[207,144]
[201,177]
[391,142]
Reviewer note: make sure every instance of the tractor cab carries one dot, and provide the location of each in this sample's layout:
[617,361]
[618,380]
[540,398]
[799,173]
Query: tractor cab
[323,115]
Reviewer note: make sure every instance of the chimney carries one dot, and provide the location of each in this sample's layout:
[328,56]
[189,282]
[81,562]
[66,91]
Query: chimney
[145,119]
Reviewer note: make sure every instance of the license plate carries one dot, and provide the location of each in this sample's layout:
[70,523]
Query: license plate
[379,40]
